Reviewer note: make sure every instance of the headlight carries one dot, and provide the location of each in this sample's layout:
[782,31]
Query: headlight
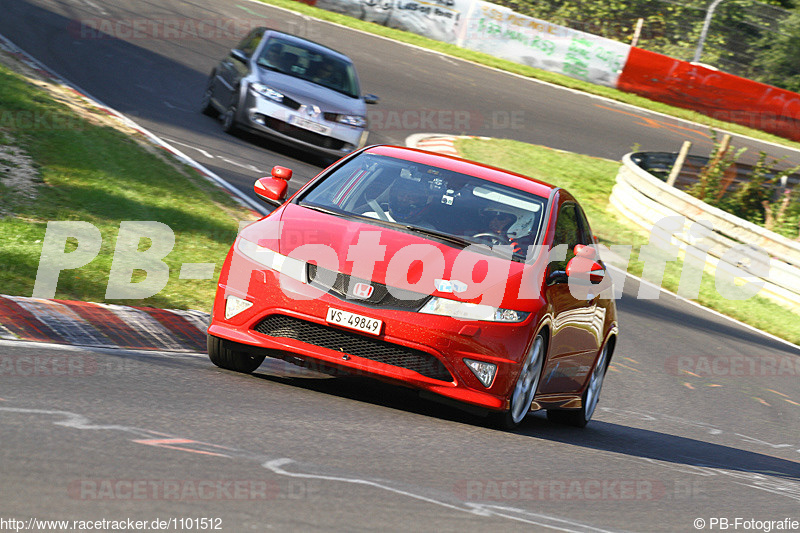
[271,259]
[469,311]
[357,121]
[267,92]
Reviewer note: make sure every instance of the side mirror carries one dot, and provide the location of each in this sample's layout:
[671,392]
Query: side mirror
[272,189]
[585,250]
[238,55]
[584,269]
[370,99]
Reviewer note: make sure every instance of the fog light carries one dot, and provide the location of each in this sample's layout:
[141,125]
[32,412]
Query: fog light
[234,306]
[483,371]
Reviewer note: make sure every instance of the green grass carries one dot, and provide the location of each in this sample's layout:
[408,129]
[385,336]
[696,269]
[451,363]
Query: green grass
[94,173]
[524,70]
[590,180]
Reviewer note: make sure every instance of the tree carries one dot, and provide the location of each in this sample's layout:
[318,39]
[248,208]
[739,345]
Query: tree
[779,55]
[755,39]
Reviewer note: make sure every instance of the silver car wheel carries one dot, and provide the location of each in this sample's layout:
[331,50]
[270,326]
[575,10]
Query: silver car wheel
[528,381]
[229,119]
[595,384]
[206,105]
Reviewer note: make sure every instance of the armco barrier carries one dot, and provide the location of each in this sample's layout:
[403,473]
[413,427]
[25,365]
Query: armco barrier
[646,200]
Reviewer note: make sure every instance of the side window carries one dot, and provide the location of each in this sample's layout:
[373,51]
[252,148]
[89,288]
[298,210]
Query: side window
[568,231]
[250,43]
[586,232]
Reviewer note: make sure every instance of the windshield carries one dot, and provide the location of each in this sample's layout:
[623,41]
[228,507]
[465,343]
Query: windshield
[435,202]
[310,64]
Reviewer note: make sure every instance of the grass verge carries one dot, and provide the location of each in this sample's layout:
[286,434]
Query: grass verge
[524,70]
[83,169]
[591,179]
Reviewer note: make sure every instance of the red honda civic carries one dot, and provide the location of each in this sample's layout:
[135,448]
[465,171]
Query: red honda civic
[469,282]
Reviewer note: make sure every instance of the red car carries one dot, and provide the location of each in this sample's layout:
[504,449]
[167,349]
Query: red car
[466,281]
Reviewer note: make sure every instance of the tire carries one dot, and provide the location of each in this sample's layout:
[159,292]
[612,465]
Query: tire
[229,124]
[524,388]
[206,107]
[580,417]
[238,361]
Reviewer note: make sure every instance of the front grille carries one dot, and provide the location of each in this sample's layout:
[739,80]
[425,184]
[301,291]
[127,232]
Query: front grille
[380,297]
[303,135]
[352,343]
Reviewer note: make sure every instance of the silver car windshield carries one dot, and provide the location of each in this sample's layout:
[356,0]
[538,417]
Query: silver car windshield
[310,64]
[436,202]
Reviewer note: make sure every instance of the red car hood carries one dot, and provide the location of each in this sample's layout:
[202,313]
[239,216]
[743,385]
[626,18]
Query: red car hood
[396,258]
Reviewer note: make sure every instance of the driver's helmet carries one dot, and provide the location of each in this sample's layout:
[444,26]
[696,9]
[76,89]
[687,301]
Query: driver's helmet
[407,199]
[273,54]
[499,221]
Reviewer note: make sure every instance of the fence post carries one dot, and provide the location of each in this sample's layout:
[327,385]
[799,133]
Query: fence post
[678,166]
[637,32]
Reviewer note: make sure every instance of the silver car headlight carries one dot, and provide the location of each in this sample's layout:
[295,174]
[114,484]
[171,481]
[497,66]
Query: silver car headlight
[267,92]
[357,121]
[470,311]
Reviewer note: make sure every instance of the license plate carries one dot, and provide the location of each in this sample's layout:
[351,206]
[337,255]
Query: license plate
[353,321]
[310,125]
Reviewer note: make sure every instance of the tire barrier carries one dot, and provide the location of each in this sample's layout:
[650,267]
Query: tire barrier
[726,242]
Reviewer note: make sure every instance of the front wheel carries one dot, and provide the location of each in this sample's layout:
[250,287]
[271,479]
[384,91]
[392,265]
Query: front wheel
[525,387]
[235,360]
[206,105]
[229,124]
[580,417]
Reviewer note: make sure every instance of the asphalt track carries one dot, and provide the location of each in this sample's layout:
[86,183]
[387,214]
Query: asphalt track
[698,419]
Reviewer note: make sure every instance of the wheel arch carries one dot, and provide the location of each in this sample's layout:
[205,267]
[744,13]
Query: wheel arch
[611,343]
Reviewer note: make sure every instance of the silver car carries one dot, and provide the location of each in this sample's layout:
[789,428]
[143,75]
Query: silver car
[291,90]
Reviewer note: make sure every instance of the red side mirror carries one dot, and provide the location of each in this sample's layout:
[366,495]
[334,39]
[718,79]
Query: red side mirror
[584,250]
[272,189]
[585,268]
[282,173]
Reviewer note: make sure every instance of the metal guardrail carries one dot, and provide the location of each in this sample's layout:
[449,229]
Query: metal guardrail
[646,200]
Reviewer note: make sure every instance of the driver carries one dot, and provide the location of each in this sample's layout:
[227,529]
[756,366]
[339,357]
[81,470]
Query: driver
[273,54]
[407,203]
[407,200]
[499,224]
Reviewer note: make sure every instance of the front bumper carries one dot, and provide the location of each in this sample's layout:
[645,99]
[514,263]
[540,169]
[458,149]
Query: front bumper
[272,120]
[418,350]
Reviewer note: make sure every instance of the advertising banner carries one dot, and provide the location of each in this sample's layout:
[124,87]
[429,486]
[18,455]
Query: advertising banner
[497,31]
[501,32]
[437,19]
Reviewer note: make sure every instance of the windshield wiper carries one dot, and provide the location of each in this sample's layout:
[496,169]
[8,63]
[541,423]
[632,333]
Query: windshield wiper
[324,210]
[460,241]
[453,239]
[270,67]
